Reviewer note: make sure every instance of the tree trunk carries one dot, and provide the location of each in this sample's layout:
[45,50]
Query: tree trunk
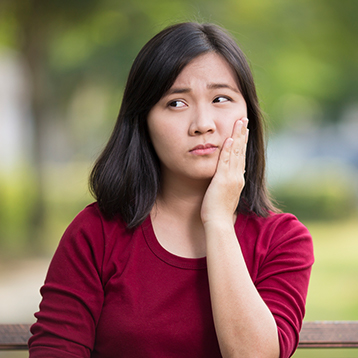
[34,37]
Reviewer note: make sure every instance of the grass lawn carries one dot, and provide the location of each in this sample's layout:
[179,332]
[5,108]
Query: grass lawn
[333,292]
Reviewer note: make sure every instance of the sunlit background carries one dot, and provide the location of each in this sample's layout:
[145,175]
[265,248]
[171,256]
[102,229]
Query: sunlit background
[63,65]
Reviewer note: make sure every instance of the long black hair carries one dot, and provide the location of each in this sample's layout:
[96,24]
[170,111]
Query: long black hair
[126,177]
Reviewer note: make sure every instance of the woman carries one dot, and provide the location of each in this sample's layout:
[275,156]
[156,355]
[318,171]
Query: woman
[183,254]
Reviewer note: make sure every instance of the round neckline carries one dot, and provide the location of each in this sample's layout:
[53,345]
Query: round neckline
[166,256]
[179,261]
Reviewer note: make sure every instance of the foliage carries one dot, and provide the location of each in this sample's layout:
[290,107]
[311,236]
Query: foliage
[65,195]
[316,200]
[78,52]
[304,48]
[16,198]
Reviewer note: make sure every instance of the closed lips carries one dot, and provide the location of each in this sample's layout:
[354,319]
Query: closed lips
[204,149]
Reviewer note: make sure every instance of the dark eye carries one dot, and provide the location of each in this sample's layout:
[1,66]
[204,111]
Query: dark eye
[221,99]
[177,104]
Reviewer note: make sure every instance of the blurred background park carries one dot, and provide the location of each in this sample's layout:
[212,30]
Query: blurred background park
[63,65]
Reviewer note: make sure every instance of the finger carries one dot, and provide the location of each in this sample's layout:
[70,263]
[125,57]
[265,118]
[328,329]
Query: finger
[239,132]
[242,130]
[239,146]
[224,158]
[246,140]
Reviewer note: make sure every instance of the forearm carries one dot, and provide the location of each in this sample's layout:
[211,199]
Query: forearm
[245,326]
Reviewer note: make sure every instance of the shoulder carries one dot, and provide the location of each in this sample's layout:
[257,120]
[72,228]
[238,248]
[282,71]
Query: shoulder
[87,219]
[91,220]
[276,234]
[90,238]
[273,220]
[275,226]
[92,230]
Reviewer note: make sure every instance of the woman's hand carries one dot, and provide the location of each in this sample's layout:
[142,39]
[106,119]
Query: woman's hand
[223,194]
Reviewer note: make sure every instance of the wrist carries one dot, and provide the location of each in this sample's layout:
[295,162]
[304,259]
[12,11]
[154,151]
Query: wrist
[220,221]
[219,225]
[218,235]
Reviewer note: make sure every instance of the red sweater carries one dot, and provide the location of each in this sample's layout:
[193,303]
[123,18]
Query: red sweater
[111,292]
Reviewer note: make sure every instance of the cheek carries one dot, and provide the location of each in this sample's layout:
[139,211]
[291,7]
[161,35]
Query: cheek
[164,134]
[164,144]
[226,126]
[227,122]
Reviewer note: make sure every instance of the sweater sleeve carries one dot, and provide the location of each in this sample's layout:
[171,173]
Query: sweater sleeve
[72,293]
[283,277]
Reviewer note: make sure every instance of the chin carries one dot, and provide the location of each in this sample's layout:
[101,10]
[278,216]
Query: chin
[205,174]
[195,172]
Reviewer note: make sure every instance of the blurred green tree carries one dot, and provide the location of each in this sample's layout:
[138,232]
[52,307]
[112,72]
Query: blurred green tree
[33,24]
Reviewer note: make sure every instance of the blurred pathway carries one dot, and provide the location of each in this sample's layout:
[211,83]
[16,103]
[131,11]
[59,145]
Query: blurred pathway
[20,282]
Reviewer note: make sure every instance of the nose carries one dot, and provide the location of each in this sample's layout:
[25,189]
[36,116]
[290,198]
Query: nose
[202,121]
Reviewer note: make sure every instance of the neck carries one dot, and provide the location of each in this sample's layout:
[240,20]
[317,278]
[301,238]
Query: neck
[182,198]
[176,217]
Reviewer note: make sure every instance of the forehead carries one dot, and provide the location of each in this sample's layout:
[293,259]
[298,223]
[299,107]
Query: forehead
[207,68]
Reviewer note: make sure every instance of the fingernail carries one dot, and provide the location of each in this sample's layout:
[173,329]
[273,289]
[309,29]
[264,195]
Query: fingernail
[229,142]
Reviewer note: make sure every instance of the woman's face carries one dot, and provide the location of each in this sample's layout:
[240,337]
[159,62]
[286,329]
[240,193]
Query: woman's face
[190,123]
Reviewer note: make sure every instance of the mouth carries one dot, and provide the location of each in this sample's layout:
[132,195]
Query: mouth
[203,149]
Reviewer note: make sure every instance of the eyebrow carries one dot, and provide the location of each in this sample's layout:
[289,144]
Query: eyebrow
[210,86]
[222,85]
[177,90]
